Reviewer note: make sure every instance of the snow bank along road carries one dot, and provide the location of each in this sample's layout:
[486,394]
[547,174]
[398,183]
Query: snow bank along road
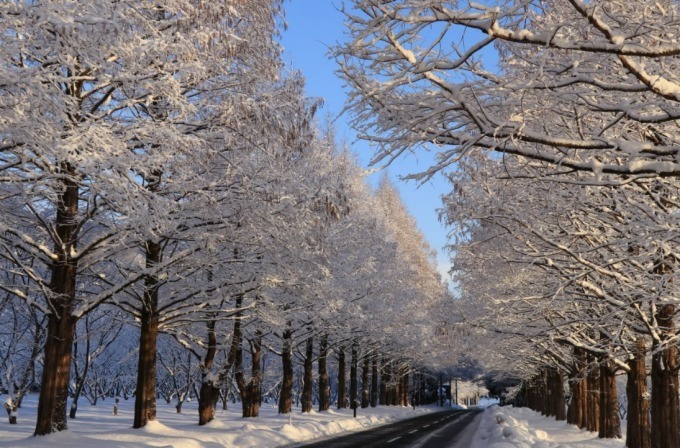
[446,429]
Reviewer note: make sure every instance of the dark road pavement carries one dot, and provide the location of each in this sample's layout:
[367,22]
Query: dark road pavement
[445,429]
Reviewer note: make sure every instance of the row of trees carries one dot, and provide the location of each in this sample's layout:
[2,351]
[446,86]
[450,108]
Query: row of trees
[160,169]
[558,124]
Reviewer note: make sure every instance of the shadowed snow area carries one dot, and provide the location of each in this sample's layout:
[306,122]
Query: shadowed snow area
[96,426]
[508,427]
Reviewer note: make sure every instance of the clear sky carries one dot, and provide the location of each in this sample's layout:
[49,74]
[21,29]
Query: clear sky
[313,26]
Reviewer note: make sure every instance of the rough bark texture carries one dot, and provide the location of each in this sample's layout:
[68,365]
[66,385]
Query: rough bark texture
[250,391]
[342,380]
[286,397]
[365,385]
[592,396]
[638,429]
[353,386]
[145,398]
[610,424]
[308,377]
[665,388]
[209,392]
[577,412]
[60,323]
[324,384]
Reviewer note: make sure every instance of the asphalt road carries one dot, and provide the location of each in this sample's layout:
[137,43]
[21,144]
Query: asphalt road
[445,429]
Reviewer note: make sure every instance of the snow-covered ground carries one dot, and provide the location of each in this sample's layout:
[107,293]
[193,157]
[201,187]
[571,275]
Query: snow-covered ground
[508,427]
[96,426]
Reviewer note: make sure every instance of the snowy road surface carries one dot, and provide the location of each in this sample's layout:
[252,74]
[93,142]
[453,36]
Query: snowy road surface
[449,429]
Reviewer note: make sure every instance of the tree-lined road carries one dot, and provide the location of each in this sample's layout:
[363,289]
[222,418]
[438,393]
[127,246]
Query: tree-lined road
[438,430]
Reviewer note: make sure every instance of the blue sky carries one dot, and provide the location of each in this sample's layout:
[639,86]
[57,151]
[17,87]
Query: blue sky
[313,26]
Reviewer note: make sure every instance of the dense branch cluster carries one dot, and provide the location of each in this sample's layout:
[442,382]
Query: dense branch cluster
[557,125]
[164,192]
[605,70]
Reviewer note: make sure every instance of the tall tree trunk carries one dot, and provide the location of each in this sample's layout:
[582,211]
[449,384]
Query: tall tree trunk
[384,379]
[610,424]
[375,393]
[324,386]
[576,413]
[404,388]
[60,322]
[353,386]
[593,396]
[80,376]
[638,429]
[365,385]
[556,394]
[342,380]
[145,398]
[577,387]
[249,391]
[209,392]
[665,405]
[308,376]
[286,397]
[252,408]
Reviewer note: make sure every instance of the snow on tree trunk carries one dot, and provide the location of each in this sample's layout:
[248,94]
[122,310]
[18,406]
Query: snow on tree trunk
[665,405]
[145,397]
[61,324]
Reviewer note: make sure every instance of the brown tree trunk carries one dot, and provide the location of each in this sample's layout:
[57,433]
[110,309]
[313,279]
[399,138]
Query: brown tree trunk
[145,398]
[209,392]
[324,386]
[353,387]
[577,402]
[384,379]
[365,385]
[610,424]
[308,377]
[375,393]
[556,393]
[404,388]
[593,397]
[577,387]
[342,380]
[60,323]
[638,430]
[250,391]
[286,397]
[665,387]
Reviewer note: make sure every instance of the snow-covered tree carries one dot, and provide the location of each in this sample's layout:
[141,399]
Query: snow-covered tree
[582,86]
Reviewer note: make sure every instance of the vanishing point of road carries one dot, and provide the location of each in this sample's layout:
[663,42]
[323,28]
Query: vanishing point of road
[447,429]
